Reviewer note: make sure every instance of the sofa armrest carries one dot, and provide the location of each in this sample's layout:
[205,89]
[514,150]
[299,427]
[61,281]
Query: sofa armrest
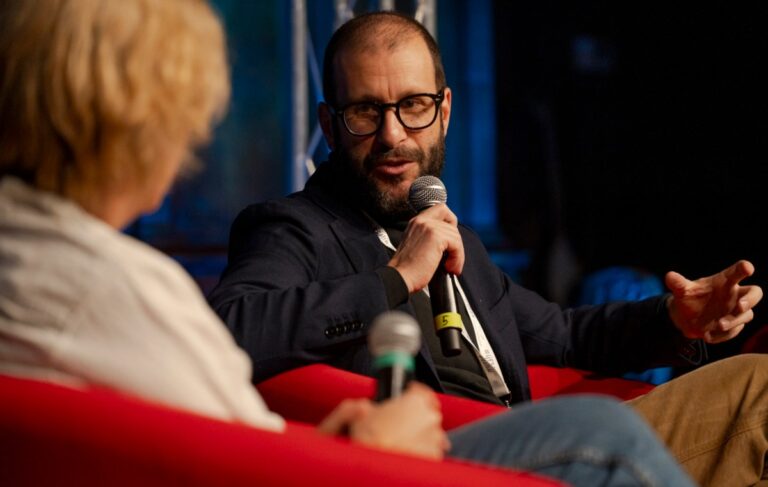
[553,381]
[56,435]
[308,394]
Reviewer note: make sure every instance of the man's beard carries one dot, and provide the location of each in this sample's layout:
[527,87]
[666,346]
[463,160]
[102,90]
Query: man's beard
[387,205]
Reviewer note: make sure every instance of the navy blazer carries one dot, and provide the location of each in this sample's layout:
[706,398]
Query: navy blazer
[301,287]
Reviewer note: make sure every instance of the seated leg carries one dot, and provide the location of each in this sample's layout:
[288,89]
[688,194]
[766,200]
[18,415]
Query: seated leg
[583,440]
[715,419]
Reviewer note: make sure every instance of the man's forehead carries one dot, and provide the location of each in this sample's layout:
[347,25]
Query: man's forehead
[385,43]
[406,63]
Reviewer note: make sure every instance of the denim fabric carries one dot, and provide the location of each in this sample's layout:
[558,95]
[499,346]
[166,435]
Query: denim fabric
[582,440]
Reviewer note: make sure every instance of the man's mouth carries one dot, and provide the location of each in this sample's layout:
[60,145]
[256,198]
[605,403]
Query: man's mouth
[393,167]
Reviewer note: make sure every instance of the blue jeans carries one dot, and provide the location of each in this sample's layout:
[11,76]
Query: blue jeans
[582,440]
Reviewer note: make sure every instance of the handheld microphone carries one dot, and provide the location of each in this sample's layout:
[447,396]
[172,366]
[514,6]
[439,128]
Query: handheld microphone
[394,339]
[425,192]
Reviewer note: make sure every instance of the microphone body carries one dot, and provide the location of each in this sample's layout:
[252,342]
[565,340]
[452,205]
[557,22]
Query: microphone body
[446,317]
[391,381]
[425,192]
[394,339]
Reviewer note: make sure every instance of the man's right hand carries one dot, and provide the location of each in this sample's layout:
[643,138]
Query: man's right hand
[428,236]
[408,424]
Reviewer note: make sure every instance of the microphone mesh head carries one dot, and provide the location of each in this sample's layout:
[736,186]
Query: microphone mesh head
[394,331]
[427,191]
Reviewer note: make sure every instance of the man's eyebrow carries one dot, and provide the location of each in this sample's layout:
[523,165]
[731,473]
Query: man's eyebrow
[367,99]
[375,99]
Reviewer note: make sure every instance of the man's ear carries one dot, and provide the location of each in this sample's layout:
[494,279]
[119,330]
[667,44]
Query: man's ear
[326,123]
[445,109]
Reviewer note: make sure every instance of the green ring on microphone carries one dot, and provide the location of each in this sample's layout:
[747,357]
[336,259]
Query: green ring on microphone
[394,358]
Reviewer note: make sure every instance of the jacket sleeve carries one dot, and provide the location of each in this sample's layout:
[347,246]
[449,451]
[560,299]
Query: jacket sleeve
[612,338]
[290,294]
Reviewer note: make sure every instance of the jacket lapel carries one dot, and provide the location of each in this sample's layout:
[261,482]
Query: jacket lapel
[361,245]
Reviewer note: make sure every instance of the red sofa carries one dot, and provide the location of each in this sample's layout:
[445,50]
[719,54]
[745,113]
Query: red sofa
[309,393]
[55,435]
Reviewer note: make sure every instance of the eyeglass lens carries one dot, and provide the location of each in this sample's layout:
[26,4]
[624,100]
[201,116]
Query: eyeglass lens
[414,112]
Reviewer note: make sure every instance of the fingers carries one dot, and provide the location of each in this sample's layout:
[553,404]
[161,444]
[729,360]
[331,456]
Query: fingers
[436,440]
[742,313]
[726,323]
[676,282]
[714,308]
[343,415]
[718,337]
[424,394]
[733,275]
[441,212]
[430,236]
[738,272]
[454,261]
[444,225]
[751,296]
[731,325]
[410,423]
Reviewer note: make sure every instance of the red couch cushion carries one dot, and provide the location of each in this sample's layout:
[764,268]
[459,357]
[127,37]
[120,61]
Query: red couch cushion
[55,435]
[551,381]
[309,393]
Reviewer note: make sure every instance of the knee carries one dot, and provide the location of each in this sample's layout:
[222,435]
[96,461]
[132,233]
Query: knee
[744,375]
[603,414]
[748,365]
[753,360]
[756,365]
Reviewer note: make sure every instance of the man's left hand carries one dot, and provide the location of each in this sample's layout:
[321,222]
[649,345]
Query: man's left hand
[713,308]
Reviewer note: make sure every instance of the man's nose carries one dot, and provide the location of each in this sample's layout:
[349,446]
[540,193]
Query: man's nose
[391,132]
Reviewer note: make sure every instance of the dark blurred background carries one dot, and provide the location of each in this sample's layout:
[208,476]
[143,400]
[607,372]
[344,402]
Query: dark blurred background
[635,135]
[585,135]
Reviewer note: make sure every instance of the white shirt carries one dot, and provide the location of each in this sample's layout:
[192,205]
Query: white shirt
[81,303]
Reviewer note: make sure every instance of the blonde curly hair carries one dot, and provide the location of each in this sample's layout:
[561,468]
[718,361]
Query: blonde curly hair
[92,91]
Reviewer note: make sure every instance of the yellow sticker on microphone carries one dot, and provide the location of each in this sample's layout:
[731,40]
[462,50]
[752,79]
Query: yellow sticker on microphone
[448,320]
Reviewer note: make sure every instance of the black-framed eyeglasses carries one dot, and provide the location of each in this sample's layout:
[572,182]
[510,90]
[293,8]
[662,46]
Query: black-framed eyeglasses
[415,112]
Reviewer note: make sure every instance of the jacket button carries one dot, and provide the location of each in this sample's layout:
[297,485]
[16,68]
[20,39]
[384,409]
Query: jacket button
[328,332]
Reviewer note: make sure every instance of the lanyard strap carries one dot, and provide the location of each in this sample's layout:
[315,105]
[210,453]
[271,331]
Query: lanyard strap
[482,349]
